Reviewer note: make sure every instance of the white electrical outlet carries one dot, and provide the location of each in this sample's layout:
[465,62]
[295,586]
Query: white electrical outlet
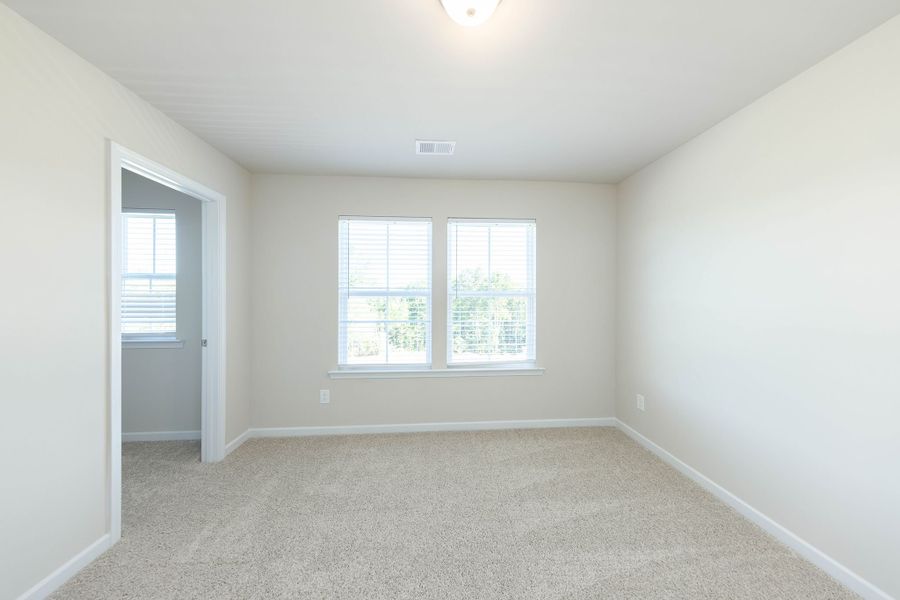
[640,403]
[324,396]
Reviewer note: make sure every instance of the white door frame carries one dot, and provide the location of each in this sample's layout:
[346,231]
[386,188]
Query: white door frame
[212,420]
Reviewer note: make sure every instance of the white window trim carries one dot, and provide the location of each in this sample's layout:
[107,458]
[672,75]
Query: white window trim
[427,294]
[428,373]
[127,210]
[502,366]
[152,343]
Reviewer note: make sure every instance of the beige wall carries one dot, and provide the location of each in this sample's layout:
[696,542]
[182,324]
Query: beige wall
[295,301]
[56,113]
[161,386]
[759,305]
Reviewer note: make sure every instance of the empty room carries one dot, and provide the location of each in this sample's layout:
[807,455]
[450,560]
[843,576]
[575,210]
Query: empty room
[445,299]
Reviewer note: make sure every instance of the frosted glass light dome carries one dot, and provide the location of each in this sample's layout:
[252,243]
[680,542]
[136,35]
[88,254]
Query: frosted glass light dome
[470,13]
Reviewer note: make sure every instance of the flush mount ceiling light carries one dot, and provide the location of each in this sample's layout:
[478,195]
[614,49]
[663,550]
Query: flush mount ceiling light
[470,13]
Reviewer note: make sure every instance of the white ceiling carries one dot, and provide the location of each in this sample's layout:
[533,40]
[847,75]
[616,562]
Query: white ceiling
[573,90]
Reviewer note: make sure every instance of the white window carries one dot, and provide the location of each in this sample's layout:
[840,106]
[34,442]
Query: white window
[148,274]
[491,292]
[384,291]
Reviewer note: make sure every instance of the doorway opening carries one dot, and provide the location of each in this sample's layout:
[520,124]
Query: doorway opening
[147,319]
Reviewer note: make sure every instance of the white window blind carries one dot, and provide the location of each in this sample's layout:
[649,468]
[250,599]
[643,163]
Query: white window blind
[491,292]
[148,274]
[384,291]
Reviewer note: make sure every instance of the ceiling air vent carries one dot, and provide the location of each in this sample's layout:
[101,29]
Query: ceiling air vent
[435,148]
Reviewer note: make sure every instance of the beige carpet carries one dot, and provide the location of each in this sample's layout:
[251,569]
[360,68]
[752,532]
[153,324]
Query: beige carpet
[564,513]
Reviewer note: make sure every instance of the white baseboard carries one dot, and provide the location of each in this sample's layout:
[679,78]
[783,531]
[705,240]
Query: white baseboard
[233,444]
[57,578]
[272,432]
[838,571]
[160,436]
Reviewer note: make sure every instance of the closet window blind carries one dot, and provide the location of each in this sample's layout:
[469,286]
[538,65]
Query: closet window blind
[148,274]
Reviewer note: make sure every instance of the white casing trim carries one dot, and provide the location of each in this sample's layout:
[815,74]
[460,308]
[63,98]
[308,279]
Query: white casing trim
[160,436]
[212,388]
[835,569]
[57,578]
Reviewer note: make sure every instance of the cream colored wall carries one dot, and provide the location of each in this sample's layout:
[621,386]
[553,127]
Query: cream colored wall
[161,386]
[56,114]
[759,305]
[295,301]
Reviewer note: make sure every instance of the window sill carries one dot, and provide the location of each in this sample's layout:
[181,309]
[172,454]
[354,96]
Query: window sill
[435,373]
[153,344]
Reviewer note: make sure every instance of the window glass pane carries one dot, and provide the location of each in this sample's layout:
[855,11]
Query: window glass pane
[489,329]
[165,245]
[410,262]
[509,252]
[406,343]
[138,250]
[366,343]
[366,308]
[471,252]
[408,308]
[492,291]
[384,291]
[367,252]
